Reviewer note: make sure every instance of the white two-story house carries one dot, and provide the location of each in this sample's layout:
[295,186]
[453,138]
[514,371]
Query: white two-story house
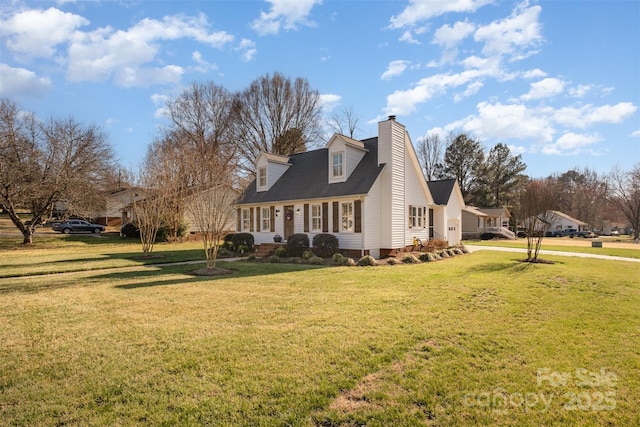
[371,194]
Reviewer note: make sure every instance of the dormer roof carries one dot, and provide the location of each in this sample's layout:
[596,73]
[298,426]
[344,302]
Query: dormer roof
[307,177]
[275,158]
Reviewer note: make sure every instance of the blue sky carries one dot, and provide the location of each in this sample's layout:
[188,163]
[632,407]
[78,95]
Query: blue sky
[558,81]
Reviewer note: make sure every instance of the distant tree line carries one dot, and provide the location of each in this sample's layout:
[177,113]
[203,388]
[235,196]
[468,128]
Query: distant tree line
[497,178]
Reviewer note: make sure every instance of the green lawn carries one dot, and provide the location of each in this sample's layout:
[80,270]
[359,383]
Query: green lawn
[609,246]
[81,252]
[478,339]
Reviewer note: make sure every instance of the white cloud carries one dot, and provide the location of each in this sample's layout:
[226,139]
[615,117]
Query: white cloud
[449,37]
[534,74]
[580,91]
[512,36]
[419,10]
[395,68]
[203,65]
[472,89]
[588,115]
[545,88]
[571,143]
[635,134]
[286,14]
[106,53]
[36,32]
[508,121]
[19,81]
[329,101]
[248,49]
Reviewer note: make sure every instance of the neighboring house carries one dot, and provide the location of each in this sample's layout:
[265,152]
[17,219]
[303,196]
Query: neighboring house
[118,207]
[370,194]
[447,212]
[478,221]
[561,221]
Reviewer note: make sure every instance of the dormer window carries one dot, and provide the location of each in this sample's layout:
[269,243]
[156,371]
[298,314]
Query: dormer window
[337,160]
[262,177]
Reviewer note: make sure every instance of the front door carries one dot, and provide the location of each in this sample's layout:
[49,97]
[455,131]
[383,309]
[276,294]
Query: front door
[288,222]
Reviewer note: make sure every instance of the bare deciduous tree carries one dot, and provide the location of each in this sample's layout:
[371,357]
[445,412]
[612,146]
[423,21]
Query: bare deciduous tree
[44,163]
[205,173]
[345,122]
[536,206]
[430,149]
[624,193]
[269,108]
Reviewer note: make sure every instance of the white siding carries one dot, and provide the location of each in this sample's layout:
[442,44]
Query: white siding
[391,151]
[371,223]
[351,157]
[454,219]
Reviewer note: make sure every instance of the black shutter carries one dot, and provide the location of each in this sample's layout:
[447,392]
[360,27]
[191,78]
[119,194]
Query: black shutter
[325,217]
[239,224]
[306,217]
[336,220]
[273,219]
[250,219]
[258,218]
[357,214]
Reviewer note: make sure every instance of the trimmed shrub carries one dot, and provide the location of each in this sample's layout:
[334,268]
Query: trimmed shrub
[349,262]
[464,249]
[451,252]
[295,260]
[307,254]
[325,245]
[297,244]
[222,251]
[424,257]
[130,230]
[316,260]
[367,260]
[234,240]
[443,254]
[337,258]
[393,261]
[410,259]
[280,252]
[274,259]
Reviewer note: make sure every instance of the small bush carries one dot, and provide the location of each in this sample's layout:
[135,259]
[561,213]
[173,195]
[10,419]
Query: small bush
[295,260]
[410,259]
[234,240]
[367,260]
[349,262]
[316,260]
[451,252]
[130,230]
[222,251]
[243,249]
[274,259]
[424,257]
[307,254]
[443,254]
[434,245]
[393,261]
[280,252]
[457,251]
[297,244]
[463,249]
[325,245]
[337,258]
[436,256]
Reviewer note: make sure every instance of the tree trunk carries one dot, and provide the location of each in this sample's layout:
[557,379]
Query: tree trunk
[28,236]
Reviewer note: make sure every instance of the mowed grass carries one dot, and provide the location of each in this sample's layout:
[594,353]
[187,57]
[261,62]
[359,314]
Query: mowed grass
[610,246]
[456,342]
[57,253]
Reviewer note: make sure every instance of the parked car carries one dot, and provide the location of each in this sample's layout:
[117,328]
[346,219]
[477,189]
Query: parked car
[572,232]
[77,226]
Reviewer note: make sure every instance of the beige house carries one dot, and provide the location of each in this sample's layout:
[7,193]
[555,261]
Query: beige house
[479,221]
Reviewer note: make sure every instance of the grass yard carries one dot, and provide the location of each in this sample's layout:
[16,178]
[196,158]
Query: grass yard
[59,253]
[621,247]
[479,339]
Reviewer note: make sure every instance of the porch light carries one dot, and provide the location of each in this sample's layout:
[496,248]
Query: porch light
[277,212]
[298,211]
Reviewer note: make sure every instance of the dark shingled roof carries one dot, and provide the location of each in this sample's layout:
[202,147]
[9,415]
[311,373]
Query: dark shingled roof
[308,178]
[441,190]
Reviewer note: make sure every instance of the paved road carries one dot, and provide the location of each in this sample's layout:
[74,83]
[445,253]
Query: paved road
[473,248]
